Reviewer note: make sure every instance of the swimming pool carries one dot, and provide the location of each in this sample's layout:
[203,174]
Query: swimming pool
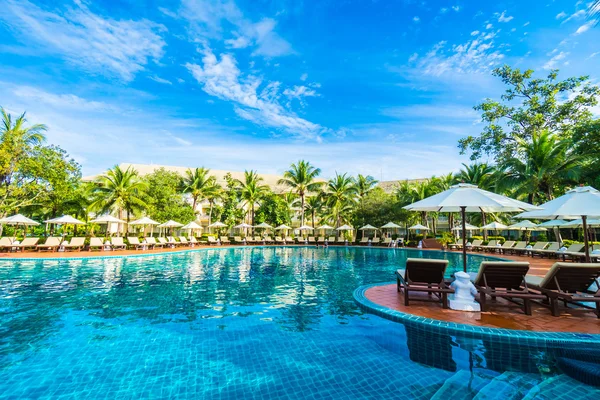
[272,322]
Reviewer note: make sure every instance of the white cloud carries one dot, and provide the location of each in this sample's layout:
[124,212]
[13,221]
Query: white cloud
[576,15]
[216,18]
[413,57]
[561,15]
[94,43]
[526,23]
[416,19]
[475,33]
[503,17]
[489,26]
[431,112]
[223,79]
[62,101]
[593,55]
[304,77]
[552,63]
[160,80]
[584,28]
[443,10]
[456,8]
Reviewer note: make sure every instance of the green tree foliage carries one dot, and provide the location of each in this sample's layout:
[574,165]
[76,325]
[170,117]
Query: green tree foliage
[252,190]
[273,210]
[341,197]
[200,185]
[378,208]
[315,205]
[528,107]
[230,212]
[120,191]
[364,184]
[302,179]
[163,197]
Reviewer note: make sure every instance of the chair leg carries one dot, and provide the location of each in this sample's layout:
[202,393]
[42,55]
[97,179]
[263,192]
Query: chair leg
[527,306]
[554,307]
[445,300]
[482,301]
[406,296]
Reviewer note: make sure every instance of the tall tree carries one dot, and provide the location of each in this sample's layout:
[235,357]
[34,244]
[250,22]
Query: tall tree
[481,175]
[199,184]
[341,195]
[529,106]
[301,178]
[120,190]
[364,184]
[251,190]
[314,205]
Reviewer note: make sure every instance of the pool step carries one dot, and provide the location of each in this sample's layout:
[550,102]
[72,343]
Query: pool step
[583,371]
[508,386]
[562,387]
[463,385]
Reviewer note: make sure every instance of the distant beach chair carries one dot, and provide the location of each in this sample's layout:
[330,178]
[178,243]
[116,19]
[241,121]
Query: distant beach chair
[134,242]
[6,242]
[151,240]
[76,244]
[27,243]
[52,244]
[117,243]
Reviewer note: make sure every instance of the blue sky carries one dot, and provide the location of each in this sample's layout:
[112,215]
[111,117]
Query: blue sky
[375,87]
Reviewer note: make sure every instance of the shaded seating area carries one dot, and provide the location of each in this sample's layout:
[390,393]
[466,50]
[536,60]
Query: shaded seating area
[424,276]
[505,280]
[27,243]
[52,243]
[573,284]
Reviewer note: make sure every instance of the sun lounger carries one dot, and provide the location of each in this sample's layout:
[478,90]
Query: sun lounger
[225,240]
[571,283]
[340,240]
[151,240]
[517,247]
[422,275]
[311,240]
[193,241]
[134,242]
[51,244]
[172,242]
[96,243]
[268,239]
[364,241]
[475,244]
[258,240]
[279,240]
[6,242]
[400,242]
[574,252]
[331,239]
[321,239]
[76,244]
[506,246]
[375,241]
[506,280]
[536,247]
[183,241]
[27,243]
[492,245]
[289,240]
[550,250]
[387,241]
[117,243]
[212,241]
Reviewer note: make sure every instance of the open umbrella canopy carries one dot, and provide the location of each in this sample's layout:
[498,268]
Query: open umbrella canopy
[106,219]
[144,221]
[468,227]
[418,227]
[65,219]
[472,199]
[18,219]
[325,227]
[282,227]
[305,228]
[390,225]
[494,226]
[526,226]
[170,224]
[367,228]
[243,226]
[345,228]
[578,223]
[264,225]
[576,203]
[191,225]
[554,223]
[217,224]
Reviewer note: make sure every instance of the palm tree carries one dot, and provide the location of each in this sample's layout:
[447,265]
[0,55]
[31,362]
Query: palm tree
[341,194]
[364,184]
[198,183]
[251,190]
[301,177]
[314,205]
[120,190]
[542,164]
[481,175]
[212,194]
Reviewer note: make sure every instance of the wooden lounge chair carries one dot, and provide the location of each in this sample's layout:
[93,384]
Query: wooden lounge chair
[76,244]
[134,242]
[492,245]
[321,240]
[422,275]
[279,240]
[571,283]
[537,246]
[400,242]
[375,241]
[331,240]
[506,280]
[212,241]
[96,243]
[172,242]
[193,241]
[340,240]
[517,247]
[6,243]
[311,240]
[549,251]
[258,240]
[27,243]
[183,241]
[364,241]
[574,252]
[289,240]
[386,241]
[225,240]
[117,243]
[475,244]
[151,240]
[506,246]
[52,244]
[238,240]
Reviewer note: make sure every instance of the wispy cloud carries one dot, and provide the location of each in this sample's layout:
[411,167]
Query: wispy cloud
[584,28]
[553,62]
[160,80]
[94,43]
[561,15]
[575,16]
[503,17]
[223,79]
[63,101]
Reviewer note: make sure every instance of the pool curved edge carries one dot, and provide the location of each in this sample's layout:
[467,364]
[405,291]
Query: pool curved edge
[469,331]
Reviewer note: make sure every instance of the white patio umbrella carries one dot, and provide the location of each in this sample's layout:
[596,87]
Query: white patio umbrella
[525,226]
[345,228]
[367,227]
[191,227]
[107,219]
[17,220]
[554,223]
[578,223]
[145,221]
[324,228]
[494,226]
[170,224]
[217,224]
[65,220]
[305,228]
[581,202]
[466,198]
[418,227]
[283,227]
[264,225]
[468,227]
[243,226]
[390,225]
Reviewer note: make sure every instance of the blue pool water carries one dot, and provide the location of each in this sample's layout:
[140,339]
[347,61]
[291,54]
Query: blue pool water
[242,323]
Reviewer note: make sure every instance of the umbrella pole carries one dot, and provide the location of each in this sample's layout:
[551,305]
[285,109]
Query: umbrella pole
[585,238]
[464,236]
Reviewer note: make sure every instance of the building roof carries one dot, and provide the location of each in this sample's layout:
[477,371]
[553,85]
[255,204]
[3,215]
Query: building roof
[390,186]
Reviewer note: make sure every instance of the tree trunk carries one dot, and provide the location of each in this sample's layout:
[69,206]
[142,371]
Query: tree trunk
[210,213]
[483,223]
[302,218]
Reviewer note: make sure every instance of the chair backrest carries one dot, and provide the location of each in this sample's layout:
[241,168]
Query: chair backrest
[152,240]
[321,238]
[520,245]
[77,241]
[289,239]
[575,247]
[162,240]
[193,239]
[53,241]
[171,239]
[553,246]
[421,270]
[6,241]
[224,239]
[364,240]
[387,240]
[571,277]
[98,242]
[341,239]
[237,238]
[492,242]
[477,242]
[502,274]
[375,240]
[540,245]
[508,244]
[183,239]
[331,239]
[133,240]
[117,241]
[257,239]
[30,241]
[311,238]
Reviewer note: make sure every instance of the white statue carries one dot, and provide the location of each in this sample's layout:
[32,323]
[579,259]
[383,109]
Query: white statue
[463,298]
